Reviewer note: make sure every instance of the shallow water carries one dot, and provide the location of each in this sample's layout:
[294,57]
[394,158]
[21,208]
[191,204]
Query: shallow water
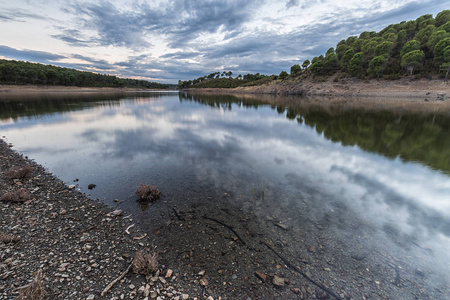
[383,176]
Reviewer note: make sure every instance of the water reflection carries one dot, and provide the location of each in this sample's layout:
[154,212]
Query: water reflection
[301,163]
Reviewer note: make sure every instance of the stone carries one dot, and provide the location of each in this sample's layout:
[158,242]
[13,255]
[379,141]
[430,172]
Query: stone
[132,286]
[169,273]
[184,296]
[295,290]
[71,187]
[90,297]
[278,281]
[261,276]
[201,273]
[204,282]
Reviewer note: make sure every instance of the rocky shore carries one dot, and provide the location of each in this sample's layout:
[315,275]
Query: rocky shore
[423,90]
[78,245]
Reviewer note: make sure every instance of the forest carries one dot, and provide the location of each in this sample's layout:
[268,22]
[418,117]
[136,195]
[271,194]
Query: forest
[419,48]
[20,72]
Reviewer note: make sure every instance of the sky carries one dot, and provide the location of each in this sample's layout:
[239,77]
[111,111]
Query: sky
[170,40]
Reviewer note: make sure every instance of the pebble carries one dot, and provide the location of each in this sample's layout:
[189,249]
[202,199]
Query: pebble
[90,297]
[278,281]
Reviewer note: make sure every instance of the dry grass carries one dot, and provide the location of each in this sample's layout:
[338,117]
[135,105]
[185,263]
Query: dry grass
[148,192]
[33,290]
[145,263]
[6,238]
[19,173]
[21,195]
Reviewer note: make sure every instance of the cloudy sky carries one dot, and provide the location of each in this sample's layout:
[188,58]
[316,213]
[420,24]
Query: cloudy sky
[168,40]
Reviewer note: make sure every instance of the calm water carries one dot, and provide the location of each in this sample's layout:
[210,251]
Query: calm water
[389,170]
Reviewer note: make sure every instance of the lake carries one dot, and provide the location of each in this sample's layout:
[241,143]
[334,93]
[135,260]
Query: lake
[357,199]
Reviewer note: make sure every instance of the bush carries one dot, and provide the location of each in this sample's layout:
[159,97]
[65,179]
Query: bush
[19,173]
[6,238]
[21,195]
[148,192]
[33,290]
[145,264]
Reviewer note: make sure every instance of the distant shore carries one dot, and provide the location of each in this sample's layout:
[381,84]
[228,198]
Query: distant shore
[424,90]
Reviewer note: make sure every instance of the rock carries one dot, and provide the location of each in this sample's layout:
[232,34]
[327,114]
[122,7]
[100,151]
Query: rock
[117,212]
[261,276]
[163,281]
[184,296]
[153,294]
[204,282]
[278,281]
[92,186]
[169,273]
[201,273]
[90,297]
[141,290]
[132,286]
[210,298]
[295,290]
[234,277]
[72,186]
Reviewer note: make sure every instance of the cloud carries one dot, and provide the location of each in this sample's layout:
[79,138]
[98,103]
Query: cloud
[30,55]
[18,15]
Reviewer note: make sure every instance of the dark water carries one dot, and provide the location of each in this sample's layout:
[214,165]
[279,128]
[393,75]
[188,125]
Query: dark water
[390,170]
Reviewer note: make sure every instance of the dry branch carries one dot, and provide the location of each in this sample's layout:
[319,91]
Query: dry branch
[110,285]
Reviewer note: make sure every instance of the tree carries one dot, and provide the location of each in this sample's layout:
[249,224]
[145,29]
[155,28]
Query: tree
[346,58]
[340,50]
[306,64]
[377,65]
[317,67]
[445,27]
[369,49]
[410,46]
[384,49]
[424,35]
[355,65]
[283,75]
[442,17]
[439,58]
[412,60]
[330,63]
[296,70]
[435,38]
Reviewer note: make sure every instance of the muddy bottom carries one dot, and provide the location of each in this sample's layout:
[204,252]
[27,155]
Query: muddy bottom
[273,244]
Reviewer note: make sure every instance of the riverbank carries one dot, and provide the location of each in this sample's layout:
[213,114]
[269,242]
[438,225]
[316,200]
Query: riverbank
[424,90]
[78,244]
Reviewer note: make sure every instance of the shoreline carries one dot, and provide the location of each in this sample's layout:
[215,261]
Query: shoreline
[400,89]
[78,244]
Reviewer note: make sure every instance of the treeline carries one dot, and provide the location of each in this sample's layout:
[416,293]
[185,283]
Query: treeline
[20,72]
[224,80]
[420,47]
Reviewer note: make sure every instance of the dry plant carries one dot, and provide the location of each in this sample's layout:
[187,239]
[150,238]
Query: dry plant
[6,238]
[148,192]
[145,263]
[33,290]
[21,195]
[19,173]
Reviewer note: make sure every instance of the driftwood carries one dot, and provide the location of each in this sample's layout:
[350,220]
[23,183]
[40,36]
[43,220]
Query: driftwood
[109,286]
[287,263]
[227,226]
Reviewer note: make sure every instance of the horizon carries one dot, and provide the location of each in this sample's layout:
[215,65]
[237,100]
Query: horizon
[167,41]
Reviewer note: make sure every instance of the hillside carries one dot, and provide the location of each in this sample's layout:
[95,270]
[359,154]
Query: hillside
[418,48]
[20,72]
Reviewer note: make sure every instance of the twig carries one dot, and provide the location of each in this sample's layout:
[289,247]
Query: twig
[126,230]
[227,226]
[180,218]
[287,263]
[109,286]
[140,237]
[89,228]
